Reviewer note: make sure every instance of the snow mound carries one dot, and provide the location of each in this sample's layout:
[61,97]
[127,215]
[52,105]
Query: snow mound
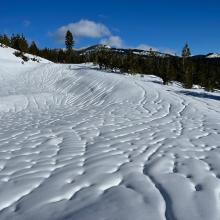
[77,143]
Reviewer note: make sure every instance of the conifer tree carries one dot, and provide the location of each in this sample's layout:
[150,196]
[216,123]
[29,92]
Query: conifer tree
[14,42]
[33,49]
[5,40]
[19,42]
[61,56]
[23,44]
[69,41]
[186,51]
[187,67]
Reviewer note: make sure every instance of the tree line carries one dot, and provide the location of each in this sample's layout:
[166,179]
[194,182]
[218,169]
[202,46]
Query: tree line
[20,43]
[185,69]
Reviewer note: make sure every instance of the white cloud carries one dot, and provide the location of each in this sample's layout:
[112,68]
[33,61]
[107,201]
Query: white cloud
[83,29]
[90,29]
[113,41]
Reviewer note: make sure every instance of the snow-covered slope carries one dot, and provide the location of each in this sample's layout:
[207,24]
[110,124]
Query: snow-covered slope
[7,55]
[80,144]
[213,55]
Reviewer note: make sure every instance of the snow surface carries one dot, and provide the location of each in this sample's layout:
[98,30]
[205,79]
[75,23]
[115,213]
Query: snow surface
[213,55]
[7,55]
[80,144]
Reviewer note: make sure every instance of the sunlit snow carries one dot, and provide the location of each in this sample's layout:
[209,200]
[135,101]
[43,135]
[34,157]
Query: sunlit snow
[77,143]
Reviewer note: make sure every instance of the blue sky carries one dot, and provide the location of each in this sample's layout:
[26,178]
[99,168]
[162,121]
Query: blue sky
[162,24]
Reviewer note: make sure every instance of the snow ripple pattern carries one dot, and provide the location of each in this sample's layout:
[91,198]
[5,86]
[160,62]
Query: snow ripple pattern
[76,143]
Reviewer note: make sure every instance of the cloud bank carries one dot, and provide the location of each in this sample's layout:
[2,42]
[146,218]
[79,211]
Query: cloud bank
[83,29]
[90,29]
[113,41]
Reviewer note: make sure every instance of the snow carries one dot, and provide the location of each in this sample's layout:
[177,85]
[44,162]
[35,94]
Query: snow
[213,55]
[78,143]
[149,53]
[7,55]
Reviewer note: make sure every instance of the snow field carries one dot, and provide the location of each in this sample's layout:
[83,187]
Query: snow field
[77,143]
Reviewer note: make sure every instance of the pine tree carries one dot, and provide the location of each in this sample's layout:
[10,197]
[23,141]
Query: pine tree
[61,56]
[33,49]
[5,40]
[14,42]
[188,75]
[23,44]
[187,67]
[186,51]
[69,41]
[188,82]
[69,56]
[19,42]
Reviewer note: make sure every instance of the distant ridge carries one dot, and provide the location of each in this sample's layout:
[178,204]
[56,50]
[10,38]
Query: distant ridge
[122,51]
[140,52]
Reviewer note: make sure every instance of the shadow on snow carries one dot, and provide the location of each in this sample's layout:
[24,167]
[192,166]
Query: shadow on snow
[200,95]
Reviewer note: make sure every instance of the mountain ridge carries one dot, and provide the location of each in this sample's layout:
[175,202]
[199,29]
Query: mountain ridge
[96,47]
